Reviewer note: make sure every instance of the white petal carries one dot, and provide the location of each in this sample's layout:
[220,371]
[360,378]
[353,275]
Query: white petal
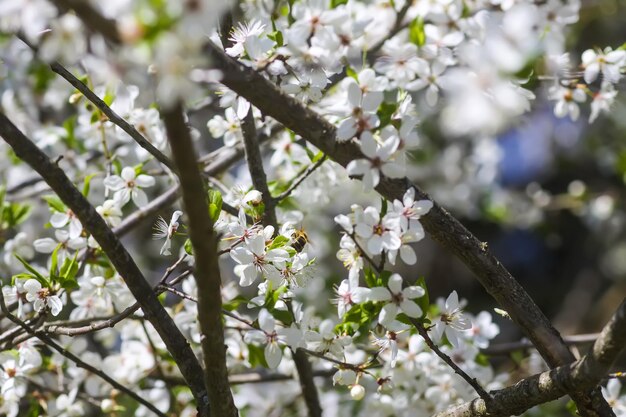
[358,167]
[76,228]
[591,72]
[346,130]
[395,283]
[360,294]
[354,93]
[243,106]
[394,170]
[410,308]
[379,294]
[248,275]
[452,302]
[139,197]
[144,181]
[59,220]
[273,355]
[32,286]
[266,321]
[368,145]
[55,305]
[375,245]
[388,314]
[45,245]
[114,182]
[407,254]
[128,174]
[372,100]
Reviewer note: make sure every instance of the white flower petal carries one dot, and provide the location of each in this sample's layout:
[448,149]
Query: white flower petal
[388,314]
[379,294]
[273,355]
[410,308]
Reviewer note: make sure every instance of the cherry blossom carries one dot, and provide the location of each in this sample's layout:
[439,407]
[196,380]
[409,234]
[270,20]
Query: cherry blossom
[129,186]
[451,320]
[42,297]
[399,300]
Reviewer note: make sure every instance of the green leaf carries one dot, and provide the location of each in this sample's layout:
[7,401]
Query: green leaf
[385,112]
[276,36]
[416,31]
[482,359]
[70,137]
[256,356]
[54,259]
[86,184]
[278,242]
[233,304]
[336,3]
[19,213]
[55,203]
[371,279]
[36,274]
[108,98]
[215,205]
[188,247]
[310,154]
[69,269]
[352,73]
[383,207]
[384,278]
[318,156]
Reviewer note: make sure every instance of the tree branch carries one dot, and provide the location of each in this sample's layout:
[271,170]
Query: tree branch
[255,166]
[119,257]
[207,273]
[583,374]
[113,117]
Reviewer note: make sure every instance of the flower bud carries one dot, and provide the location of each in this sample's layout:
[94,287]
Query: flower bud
[107,405]
[357,392]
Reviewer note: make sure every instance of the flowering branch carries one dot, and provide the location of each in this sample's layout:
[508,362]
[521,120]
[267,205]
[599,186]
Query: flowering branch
[471,381]
[120,258]
[442,226]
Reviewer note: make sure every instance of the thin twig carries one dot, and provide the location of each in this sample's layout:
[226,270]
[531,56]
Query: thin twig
[304,174]
[471,381]
[255,166]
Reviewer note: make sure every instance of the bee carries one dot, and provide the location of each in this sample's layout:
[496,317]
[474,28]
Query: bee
[300,239]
